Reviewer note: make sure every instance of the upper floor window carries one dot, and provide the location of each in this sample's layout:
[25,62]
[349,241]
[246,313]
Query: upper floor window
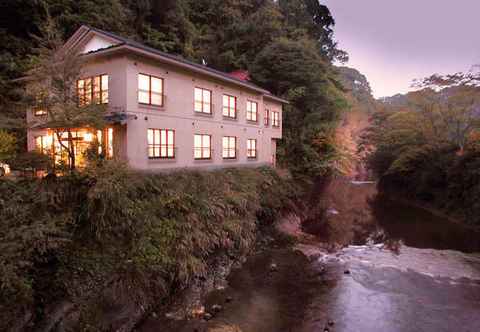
[275,119]
[229,150]
[202,146]
[252,111]
[161,143]
[203,101]
[251,148]
[150,90]
[93,89]
[229,106]
[266,117]
[40,108]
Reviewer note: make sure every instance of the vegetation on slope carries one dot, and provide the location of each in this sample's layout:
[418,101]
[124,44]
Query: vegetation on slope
[286,45]
[78,237]
[428,150]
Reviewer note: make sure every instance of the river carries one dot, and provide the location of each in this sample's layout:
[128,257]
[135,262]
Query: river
[393,267]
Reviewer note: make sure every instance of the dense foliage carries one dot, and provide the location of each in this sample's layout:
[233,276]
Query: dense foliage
[428,150]
[286,45]
[77,237]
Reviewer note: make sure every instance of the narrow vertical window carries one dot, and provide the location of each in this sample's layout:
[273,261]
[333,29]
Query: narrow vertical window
[203,101]
[266,118]
[150,90]
[202,146]
[161,143]
[229,106]
[252,111]
[275,119]
[251,148]
[229,150]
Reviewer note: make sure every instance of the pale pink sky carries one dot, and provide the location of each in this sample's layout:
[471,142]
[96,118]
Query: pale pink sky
[394,41]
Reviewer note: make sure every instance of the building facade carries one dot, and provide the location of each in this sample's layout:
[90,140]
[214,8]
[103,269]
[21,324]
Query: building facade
[170,113]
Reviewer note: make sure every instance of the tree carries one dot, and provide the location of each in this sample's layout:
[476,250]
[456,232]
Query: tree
[7,145]
[52,86]
[296,71]
[449,107]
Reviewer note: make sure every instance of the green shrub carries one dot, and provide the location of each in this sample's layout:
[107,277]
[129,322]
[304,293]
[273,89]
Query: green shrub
[66,237]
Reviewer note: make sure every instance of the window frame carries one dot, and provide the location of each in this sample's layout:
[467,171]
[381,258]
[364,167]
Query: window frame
[202,148]
[275,119]
[91,92]
[203,103]
[167,145]
[43,147]
[228,107]
[250,113]
[249,149]
[40,109]
[149,91]
[266,118]
[229,148]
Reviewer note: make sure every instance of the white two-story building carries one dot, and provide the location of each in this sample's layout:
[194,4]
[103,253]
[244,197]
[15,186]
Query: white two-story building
[167,112]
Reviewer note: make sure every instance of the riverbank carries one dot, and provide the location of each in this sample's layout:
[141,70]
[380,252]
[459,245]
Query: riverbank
[400,261]
[99,250]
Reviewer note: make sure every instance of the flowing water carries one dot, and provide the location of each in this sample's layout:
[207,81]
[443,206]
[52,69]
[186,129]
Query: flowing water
[367,264]
[399,268]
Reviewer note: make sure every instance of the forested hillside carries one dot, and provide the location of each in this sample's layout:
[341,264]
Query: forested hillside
[287,46]
[425,145]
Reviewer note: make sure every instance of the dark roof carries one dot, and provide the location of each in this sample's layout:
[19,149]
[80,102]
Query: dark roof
[133,43]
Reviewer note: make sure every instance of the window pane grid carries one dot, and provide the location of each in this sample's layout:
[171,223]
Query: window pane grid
[229,150]
[203,101]
[150,90]
[252,148]
[202,146]
[93,89]
[161,143]
[252,110]
[266,119]
[275,119]
[229,106]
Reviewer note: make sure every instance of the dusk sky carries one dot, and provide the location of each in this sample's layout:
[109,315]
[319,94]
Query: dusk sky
[392,42]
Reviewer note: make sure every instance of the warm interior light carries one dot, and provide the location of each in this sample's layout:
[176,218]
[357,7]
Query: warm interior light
[88,137]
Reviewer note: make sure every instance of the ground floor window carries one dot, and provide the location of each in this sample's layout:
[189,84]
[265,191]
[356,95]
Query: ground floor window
[229,147]
[161,143]
[202,146]
[251,148]
[43,144]
[57,144]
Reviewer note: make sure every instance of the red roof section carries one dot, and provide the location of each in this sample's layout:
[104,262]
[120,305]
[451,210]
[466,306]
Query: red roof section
[243,75]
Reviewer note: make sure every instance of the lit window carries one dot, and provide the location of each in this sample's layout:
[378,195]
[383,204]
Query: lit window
[229,147]
[40,108]
[229,106]
[93,89]
[275,119]
[252,111]
[202,146]
[161,143]
[43,144]
[251,148]
[150,90]
[266,118]
[203,101]
[110,142]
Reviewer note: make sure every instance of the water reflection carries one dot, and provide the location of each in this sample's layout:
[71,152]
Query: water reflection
[421,229]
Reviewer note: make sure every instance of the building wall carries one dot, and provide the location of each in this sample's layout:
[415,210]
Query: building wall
[178,114]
